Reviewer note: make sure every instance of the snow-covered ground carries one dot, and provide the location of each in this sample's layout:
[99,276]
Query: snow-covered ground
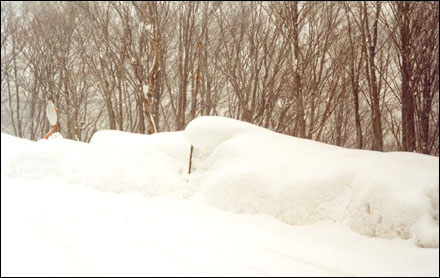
[257,203]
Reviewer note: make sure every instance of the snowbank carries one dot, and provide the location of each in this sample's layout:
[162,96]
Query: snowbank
[115,161]
[251,169]
[240,167]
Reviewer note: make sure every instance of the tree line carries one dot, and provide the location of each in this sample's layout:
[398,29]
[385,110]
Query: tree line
[354,74]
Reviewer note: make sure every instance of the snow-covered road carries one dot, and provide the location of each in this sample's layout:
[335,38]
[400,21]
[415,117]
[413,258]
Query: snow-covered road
[51,228]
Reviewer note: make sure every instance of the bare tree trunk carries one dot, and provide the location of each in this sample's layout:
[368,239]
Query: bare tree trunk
[426,110]
[354,78]
[369,45]
[17,91]
[153,72]
[194,102]
[297,76]
[151,84]
[408,126]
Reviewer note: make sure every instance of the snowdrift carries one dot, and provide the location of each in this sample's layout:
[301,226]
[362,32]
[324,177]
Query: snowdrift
[243,168]
[251,169]
[116,161]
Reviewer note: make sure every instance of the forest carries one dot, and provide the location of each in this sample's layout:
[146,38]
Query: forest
[357,74]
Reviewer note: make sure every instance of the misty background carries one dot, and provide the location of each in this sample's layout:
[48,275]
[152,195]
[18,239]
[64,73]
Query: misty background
[354,74]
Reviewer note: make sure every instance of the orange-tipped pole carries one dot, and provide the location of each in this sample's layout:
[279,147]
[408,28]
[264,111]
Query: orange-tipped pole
[51,131]
[53,128]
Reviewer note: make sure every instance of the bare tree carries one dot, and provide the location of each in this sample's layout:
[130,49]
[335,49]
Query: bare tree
[355,74]
[369,44]
[414,32]
[355,61]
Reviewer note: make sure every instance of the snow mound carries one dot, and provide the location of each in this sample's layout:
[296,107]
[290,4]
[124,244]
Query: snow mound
[219,131]
[240,167]
[113,161]
[244,168]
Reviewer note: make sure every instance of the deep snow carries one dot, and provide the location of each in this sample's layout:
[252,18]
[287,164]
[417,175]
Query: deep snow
[251,169]
[54,223]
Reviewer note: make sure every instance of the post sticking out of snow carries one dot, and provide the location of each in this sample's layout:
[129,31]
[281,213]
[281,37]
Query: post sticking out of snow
[195,101]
